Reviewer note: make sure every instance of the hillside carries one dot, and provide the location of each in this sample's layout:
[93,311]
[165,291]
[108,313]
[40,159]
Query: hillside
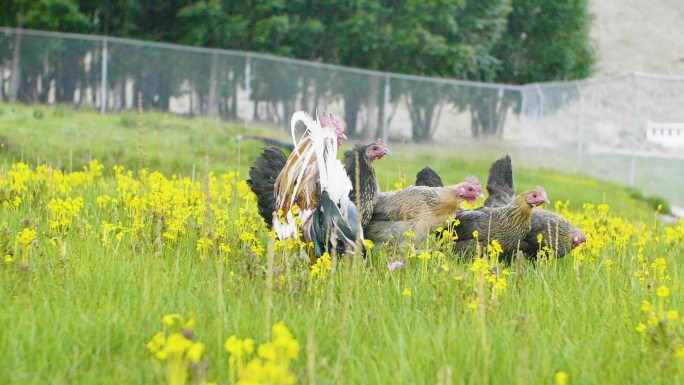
[638,35]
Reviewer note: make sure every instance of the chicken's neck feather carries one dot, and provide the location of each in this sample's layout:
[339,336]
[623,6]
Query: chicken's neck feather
[447,202]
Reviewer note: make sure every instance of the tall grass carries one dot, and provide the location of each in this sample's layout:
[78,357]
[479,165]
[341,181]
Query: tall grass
[84,316]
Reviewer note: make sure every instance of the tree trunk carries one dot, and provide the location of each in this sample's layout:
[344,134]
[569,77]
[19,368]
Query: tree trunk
[118,96]
[351,113]
[16,71]
[489,115]
[67,76]
[372,108]
[421,118]
[212,102]
[234,97]
[305,94]
[380,122]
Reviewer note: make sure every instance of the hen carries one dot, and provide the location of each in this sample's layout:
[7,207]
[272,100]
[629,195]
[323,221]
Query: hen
[558,234]
[508,224]
[313,179]
[418,209]
[367,187]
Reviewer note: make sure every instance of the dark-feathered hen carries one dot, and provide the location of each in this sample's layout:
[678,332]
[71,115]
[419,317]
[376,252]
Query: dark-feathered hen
[507,224]
[428,177]
[362,158]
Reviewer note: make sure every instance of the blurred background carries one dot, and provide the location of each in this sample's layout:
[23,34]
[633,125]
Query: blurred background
[591,87]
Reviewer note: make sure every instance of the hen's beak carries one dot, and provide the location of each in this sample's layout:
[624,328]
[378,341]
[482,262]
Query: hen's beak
[547,201]
[342,136]
[481,196]
[386,152]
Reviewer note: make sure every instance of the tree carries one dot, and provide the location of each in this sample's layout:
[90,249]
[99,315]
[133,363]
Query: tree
[445,38]
[507,41]
[544,40]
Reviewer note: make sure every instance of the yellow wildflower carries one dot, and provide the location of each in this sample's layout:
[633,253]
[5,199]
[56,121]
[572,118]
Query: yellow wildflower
[672,315]
[663,292]
[26,236]
[679,352]
[561,378]
[406,292]
[171,319]
[267,351]
[195,352]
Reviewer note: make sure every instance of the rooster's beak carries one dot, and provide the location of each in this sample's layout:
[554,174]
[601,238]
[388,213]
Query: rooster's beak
[481,196]
[341,136]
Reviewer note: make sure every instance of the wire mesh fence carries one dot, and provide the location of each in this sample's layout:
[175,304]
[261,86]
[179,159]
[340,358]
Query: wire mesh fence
[629,128]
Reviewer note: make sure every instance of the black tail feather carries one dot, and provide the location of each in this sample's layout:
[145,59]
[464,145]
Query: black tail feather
[263,174]
[428,177]
[500,183]
[328,218]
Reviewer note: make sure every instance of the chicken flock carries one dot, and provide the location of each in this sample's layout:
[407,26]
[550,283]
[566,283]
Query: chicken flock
[334,205]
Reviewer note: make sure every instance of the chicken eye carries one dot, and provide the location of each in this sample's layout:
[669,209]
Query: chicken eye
[375,147]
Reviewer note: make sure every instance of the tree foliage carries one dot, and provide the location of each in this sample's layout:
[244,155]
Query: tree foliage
[508,41]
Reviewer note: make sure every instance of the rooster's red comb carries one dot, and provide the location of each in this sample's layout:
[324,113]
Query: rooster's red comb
[381,143]
[327,119]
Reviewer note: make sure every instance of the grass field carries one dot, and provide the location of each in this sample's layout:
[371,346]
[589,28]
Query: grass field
[98,259]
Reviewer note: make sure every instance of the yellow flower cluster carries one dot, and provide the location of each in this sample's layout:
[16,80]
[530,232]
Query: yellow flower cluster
[143,209]
[62,212]
[21,183]
[271,366]
[659,329]
[488,277]
[320,269]
[175,348]
[182,357]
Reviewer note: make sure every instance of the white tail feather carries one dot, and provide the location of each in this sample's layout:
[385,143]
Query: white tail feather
[331,174]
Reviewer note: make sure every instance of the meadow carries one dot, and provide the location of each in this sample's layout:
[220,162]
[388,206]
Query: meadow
[132,253]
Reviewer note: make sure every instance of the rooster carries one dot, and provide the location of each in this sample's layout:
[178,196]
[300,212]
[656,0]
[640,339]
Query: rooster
[314,180]
[418,209]
[557,233]
[361,159]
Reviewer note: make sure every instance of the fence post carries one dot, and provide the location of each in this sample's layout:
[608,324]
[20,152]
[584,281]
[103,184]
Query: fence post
[103,86]
[248,86]
[635,131]
[580,133]
[386,106]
